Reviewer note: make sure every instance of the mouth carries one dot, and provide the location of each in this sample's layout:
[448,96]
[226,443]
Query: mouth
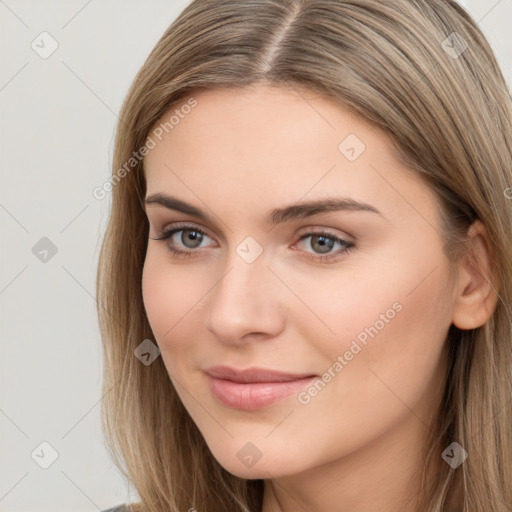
[254,388]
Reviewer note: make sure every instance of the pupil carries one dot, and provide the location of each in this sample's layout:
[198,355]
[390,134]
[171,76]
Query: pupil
[193,236]
[324,246]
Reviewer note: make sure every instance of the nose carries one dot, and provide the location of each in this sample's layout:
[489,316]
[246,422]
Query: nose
[245,303]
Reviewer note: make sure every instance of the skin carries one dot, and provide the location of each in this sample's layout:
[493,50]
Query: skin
[355,446]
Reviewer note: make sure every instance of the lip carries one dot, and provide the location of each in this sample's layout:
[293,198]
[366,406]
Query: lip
[251,389]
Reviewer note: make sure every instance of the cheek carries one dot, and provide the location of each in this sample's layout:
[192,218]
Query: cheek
[392,300]
[390,329]
[169,297]
[393,371]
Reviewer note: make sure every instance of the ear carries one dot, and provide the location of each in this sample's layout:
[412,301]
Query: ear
[477,290]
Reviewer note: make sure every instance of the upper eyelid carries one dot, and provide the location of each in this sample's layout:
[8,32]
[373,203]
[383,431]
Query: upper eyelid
[184,226]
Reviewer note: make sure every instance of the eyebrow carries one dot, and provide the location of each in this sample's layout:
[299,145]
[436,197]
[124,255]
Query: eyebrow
[275,216]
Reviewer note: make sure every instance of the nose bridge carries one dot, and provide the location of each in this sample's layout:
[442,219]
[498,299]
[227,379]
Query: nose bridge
[246,267]
[244,300]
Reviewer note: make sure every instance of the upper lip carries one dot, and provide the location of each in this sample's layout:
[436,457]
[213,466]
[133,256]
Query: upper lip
[254,374]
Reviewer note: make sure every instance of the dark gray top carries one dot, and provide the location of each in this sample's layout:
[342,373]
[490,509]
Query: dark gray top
[118,508]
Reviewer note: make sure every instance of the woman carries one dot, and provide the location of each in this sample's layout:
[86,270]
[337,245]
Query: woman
[305,284]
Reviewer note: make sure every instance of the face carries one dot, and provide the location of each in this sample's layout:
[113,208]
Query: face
[338,311]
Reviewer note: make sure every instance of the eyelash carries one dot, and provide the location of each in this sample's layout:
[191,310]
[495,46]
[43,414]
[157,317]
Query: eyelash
[167,234]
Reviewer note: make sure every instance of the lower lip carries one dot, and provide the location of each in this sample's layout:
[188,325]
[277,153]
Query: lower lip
[254,396]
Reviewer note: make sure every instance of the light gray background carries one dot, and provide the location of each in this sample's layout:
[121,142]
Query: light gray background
[57,126]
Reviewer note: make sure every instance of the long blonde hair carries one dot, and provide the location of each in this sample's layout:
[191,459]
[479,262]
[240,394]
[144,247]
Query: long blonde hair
[422,71]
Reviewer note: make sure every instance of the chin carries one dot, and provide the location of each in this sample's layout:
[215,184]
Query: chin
[250,463]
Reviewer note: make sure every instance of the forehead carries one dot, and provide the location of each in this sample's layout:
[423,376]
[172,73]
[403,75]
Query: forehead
[265,146]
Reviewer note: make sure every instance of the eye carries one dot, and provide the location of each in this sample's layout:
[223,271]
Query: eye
[192,237]
[323,242]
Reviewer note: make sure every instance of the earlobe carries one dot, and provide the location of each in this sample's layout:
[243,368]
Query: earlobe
[477,287]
